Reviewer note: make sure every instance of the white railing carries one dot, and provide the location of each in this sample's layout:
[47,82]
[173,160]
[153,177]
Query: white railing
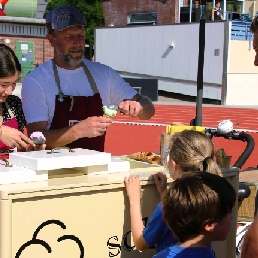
[22,27]
[241,31]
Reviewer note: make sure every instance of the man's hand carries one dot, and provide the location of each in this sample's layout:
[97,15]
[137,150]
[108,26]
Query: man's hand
[131,107]
[89,127]
[92,127]
[139,106]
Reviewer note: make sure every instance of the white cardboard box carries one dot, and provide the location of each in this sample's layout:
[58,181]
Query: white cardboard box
[15,174]
[42,160]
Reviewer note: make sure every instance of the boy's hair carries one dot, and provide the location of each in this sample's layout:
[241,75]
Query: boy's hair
[217,2]
[254,24]
[192,151]
[195,200]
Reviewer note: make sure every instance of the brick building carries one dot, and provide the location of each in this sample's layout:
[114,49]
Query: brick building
[132,12]
[27,37]
[43,50]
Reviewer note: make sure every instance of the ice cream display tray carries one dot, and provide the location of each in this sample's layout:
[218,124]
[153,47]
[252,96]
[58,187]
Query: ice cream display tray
[62,157]
[10,174]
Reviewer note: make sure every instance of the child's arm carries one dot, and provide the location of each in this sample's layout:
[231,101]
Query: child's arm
[249,247]
[133,188]
[161,182]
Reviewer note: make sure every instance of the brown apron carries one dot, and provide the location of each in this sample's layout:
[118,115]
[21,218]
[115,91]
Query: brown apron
[72,109]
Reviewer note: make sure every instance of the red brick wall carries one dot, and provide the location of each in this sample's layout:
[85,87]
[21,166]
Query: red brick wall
[43,51]
[116,11]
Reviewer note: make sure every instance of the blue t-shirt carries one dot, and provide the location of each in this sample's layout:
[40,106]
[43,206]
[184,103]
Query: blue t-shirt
[157,231]
[182,252]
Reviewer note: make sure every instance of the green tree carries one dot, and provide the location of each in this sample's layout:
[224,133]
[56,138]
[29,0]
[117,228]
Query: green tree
[92,11]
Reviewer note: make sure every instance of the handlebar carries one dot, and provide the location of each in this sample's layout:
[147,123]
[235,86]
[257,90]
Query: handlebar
[242,136]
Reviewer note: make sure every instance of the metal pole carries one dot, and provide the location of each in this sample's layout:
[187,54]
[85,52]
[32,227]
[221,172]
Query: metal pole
[198,118]
[224,9]
[190,11]
[90,50]
[179,9]
[254,12]
[43,52]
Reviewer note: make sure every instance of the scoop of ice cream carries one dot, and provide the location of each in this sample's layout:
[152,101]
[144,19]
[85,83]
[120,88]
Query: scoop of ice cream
[109,112]
[38,138]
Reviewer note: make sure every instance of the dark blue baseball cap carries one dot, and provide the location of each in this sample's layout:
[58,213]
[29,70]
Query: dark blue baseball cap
[63,17]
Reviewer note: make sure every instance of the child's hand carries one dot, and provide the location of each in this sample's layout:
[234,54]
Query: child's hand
[133,188]
[161,182]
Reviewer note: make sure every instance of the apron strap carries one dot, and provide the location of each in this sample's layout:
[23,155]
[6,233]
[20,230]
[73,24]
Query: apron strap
[57,79]
[87,73]
[1,112]
[90,79]
[9,110]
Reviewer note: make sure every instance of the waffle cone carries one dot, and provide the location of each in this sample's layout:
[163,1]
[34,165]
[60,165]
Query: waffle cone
[145,156]
[107,116]
[220,153]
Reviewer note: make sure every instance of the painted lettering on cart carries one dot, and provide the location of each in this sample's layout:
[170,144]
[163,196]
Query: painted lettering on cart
[37,241]
[115,247]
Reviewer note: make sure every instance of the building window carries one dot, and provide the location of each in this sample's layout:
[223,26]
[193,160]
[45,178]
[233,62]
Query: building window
[234,7]
[142,18]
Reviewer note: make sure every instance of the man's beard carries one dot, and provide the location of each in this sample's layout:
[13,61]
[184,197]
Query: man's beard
[67,59]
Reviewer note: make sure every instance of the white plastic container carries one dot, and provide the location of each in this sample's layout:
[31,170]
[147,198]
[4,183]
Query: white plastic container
[60,158]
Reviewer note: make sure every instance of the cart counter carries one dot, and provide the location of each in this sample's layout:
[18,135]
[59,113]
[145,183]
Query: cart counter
[75,215]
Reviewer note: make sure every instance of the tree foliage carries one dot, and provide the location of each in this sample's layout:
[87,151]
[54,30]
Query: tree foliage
[91,9]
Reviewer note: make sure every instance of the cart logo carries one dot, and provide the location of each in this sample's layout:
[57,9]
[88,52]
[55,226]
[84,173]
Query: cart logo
[115,248]
[37,241]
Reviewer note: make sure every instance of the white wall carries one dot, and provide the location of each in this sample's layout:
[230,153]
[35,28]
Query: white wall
[190,89]
[242,75]
[242,89]
[143,51]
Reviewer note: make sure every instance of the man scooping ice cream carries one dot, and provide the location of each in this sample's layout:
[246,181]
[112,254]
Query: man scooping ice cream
[64,97]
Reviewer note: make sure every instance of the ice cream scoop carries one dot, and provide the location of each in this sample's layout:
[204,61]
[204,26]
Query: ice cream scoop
[38,138]
[109,112]
[115,107]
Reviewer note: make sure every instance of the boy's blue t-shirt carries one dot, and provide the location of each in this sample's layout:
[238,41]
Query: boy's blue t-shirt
[182,252]
[157,231]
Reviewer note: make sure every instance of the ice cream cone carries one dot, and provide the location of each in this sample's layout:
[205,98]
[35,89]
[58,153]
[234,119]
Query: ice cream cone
[109,113]
[107,116]
[38,138]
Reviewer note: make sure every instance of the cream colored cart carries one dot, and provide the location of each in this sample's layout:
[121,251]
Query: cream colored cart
[75,216]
